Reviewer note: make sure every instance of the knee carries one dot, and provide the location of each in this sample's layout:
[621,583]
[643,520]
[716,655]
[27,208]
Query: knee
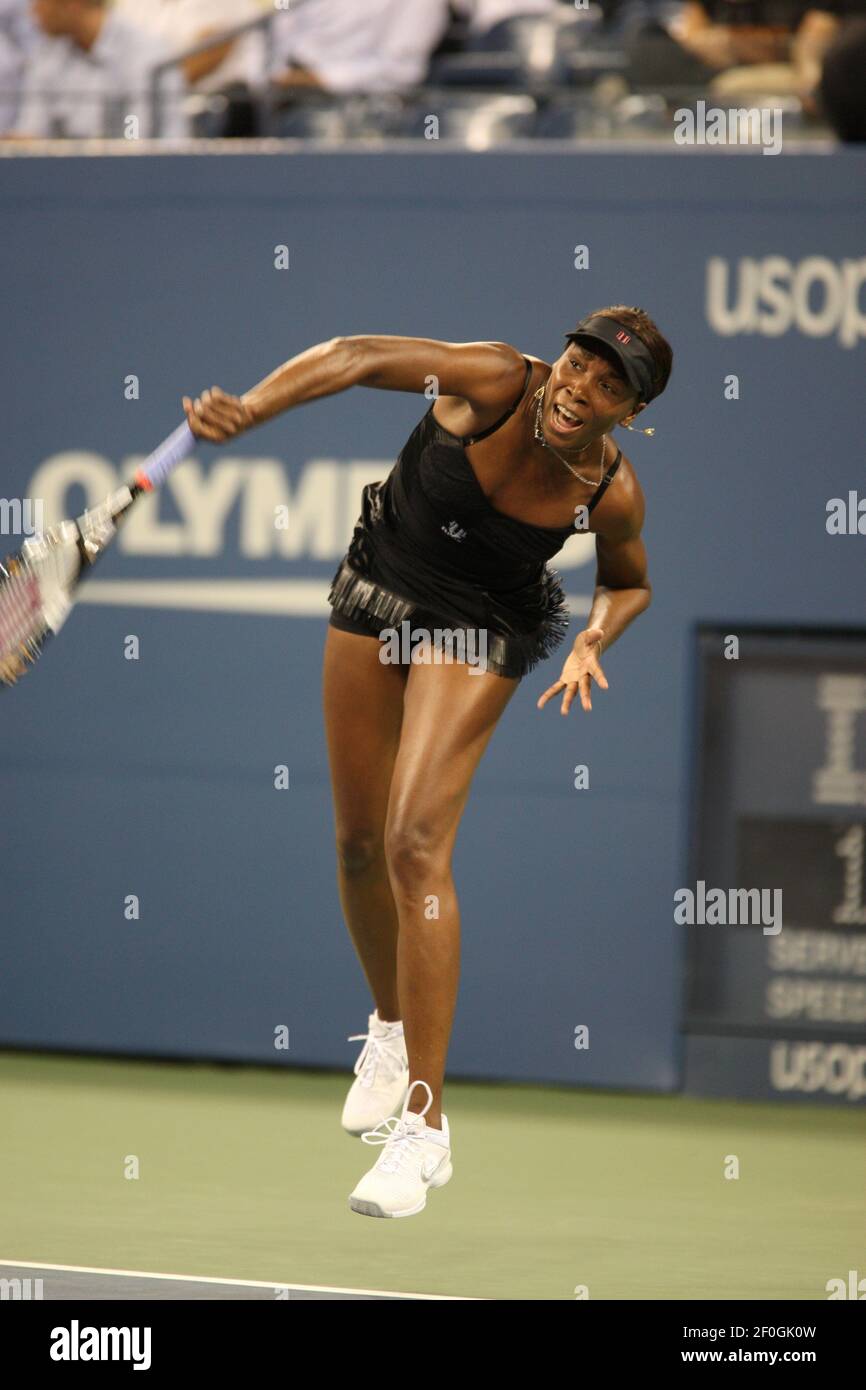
[415,858]
[358,851]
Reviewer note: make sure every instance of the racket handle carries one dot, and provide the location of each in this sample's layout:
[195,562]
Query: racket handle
[165,457]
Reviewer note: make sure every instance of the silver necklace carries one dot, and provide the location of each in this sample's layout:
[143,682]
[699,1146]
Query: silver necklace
[539,435]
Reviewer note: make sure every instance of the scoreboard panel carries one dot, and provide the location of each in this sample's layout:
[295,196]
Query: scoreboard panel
[776,1006]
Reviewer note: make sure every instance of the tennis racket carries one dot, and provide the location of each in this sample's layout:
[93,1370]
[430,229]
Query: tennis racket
[38,583]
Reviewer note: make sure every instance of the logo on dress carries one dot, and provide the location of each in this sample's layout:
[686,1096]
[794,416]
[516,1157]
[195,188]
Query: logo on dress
[454,531]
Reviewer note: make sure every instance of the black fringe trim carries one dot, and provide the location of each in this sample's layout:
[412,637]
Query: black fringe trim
[512,655]
[518,654]
[352,594]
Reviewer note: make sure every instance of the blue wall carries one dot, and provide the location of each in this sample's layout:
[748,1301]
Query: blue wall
[155,777]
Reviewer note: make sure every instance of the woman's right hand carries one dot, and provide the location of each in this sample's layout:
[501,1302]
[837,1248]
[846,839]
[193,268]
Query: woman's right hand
[217,416]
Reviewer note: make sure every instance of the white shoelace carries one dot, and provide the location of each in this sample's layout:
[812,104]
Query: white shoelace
[374,1054]
[401,1143]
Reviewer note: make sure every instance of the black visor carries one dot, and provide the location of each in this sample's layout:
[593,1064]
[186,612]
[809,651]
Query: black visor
[631,352]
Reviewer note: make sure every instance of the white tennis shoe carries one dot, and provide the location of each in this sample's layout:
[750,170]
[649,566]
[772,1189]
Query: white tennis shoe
[381,1076]
[414,1158]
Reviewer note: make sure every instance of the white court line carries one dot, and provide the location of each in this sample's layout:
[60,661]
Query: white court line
[297,598]
[240,1283]
[300,598]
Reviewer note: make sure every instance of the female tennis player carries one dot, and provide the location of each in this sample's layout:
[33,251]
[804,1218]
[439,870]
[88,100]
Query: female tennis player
[450,552]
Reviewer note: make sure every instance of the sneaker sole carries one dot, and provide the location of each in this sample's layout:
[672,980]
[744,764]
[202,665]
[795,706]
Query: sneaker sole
[367,1208]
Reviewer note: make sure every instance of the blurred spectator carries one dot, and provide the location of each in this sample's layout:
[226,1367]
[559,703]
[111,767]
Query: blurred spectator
[484,15]
[842,86]
[729,33]
[770,46]
[17,38]
[809,47]
[183,23]
[362,46]
[91,72]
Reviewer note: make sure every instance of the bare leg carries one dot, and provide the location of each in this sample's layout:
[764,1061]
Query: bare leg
[448,718]
[363,703]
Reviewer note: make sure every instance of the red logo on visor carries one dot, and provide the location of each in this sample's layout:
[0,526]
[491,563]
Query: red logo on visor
[622,337]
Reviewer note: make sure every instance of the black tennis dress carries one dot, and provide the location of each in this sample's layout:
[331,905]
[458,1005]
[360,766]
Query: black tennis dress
[429,546]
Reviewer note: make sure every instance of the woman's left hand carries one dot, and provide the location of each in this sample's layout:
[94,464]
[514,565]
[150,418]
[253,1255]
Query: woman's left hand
[579,671]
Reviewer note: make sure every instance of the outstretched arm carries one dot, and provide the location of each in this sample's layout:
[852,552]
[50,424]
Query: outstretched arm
[622,592]
[485,375]
[622,589]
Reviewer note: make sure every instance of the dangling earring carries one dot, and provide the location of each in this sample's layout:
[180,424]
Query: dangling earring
[638,430]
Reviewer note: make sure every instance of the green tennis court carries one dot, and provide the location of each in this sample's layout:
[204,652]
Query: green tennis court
[243,1173]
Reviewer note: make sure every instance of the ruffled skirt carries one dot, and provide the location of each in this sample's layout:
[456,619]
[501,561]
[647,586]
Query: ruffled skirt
[520,629]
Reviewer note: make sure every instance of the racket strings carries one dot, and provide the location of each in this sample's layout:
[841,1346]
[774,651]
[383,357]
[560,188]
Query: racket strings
[34,597]
[22,622]
[37,584]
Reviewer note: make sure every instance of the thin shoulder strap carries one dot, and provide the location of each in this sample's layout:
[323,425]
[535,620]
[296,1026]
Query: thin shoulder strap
[606,481]
[474,438]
